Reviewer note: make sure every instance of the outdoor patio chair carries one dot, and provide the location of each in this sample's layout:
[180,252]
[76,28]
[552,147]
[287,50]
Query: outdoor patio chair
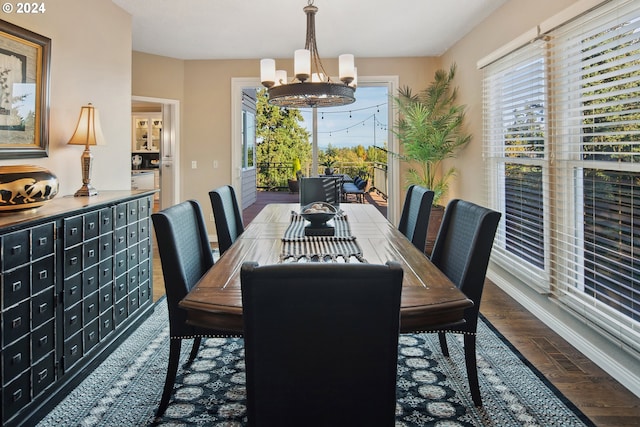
[414,221]
[321,343]
[227,215]
[462,252]
[320,189]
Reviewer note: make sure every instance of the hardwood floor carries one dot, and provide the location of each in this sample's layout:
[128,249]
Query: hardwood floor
[593,391]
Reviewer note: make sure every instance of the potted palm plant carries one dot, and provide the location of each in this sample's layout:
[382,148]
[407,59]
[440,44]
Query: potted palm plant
[430,129]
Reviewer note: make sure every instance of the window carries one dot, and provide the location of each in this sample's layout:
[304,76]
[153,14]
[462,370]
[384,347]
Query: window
[248,139]
[562,148]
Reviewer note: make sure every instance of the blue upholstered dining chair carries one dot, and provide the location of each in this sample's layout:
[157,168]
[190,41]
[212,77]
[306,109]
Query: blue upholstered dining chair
[462,251]
[320,189]
[321,343]
[185,255]
[227,215]
[414,221]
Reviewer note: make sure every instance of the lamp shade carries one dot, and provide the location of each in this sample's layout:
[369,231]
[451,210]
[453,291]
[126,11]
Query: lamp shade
[88,131]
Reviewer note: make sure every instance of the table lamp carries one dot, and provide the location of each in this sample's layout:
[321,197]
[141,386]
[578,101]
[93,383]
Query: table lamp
[88,132]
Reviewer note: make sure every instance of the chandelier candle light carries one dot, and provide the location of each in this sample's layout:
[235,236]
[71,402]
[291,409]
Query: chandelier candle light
[88,132]
[312,86]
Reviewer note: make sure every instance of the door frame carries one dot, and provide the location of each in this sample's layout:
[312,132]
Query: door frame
[170,143]
[392,82]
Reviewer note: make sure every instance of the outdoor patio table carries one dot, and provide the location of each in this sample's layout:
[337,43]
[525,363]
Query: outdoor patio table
[429,298]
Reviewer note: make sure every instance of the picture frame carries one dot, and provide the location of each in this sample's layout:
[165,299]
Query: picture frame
[24,92]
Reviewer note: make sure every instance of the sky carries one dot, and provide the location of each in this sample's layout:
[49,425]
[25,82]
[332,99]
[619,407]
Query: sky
[365,122]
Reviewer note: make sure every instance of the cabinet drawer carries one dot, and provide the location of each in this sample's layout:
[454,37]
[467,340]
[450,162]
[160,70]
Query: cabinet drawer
[15,286]
[16,396]
[106,323]
[72,261]
[143,229]
[106,271]
[106,246]
[43,340]
[42,242]
[72,351]
[144,270]
[15,360]
[106,298]
[143,250]
[132,234]
[132,279]
[90,251]
[43,374]
[15,249]
[72,290]
[134,301]
[72,320]
[121,239]
[91,335]
[121,215]
[15,323]
[143,207]
[42,274]
[106,220]
[121,287]
[42,307]
[90,280]
[145,293]
[90,308]
[91,225]
[120,312]
[132,211]
[132,255]
[72,231]
[121,263]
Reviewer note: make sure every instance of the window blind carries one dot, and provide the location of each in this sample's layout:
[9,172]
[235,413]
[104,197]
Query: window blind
[562,149]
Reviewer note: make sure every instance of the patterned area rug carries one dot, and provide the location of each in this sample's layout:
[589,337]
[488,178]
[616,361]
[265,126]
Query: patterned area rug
[431,391]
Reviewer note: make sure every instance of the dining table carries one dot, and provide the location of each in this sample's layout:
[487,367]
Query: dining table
[360,234]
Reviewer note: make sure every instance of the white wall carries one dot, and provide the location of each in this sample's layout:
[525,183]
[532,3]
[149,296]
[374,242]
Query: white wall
[90,62]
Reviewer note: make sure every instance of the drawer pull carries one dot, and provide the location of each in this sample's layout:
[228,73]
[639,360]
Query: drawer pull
[16,250]
[73,231]
[91,253]
[120,215]
[17,395]
[107,323]
[133,301]
[120,239]
[42,241]
[73,290]
[42,374]
[43,274]
[42,307]
[74,350]
[73,260]
[92,336]
[121,286]
[91,225]
[105,272]
[73,319]
[90,280]
[120,263]
[16,359]
[106,297]
[105,221]
[132,279]
[105,246]
[43,341]
[16,286]
[121,310]
[16,323]
[91,307]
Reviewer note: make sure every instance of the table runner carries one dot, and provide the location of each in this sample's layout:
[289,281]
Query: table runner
[341,247]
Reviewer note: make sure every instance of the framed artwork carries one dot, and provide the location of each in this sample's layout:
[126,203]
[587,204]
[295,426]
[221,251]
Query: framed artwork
[24,92]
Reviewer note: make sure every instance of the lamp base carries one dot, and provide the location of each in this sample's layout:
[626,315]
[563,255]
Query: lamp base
[86,190]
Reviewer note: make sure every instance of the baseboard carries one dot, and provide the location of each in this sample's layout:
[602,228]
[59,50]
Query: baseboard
[584,338]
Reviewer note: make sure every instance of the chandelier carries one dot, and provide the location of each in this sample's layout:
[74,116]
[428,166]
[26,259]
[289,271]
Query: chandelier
[312,86]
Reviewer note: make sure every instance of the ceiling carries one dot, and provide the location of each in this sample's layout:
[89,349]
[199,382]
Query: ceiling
[248,29]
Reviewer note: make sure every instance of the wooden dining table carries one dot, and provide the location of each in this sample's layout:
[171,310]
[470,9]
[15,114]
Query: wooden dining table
[429,299]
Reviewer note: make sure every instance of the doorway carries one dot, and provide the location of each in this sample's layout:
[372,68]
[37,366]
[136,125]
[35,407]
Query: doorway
[168,167]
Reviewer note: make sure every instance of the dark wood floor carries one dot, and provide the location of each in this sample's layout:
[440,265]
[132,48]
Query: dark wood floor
[600,397]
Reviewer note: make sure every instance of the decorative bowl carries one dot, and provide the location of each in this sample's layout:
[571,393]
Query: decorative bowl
[318,213]
[25,187]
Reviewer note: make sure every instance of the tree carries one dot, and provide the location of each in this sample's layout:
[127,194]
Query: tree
[281,140]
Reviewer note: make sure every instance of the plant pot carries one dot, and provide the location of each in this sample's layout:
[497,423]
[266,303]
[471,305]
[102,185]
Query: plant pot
[25,187]
[328,171]
[294,185]
[435,219]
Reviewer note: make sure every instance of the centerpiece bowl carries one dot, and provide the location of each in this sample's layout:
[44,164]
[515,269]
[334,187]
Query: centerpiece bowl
[318,213]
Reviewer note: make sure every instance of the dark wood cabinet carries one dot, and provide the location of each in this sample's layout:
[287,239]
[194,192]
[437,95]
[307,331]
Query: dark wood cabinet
[75,279]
